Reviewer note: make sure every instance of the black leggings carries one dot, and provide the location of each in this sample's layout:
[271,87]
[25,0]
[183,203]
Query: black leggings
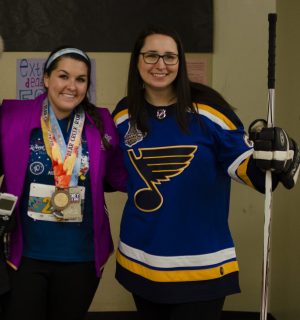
[198,310]
[45,290]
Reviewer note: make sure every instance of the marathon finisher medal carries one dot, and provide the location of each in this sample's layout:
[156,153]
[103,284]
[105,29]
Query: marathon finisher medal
[66,160]
[60,199]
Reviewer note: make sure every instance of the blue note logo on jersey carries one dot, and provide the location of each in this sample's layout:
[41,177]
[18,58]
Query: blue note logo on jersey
[157,165]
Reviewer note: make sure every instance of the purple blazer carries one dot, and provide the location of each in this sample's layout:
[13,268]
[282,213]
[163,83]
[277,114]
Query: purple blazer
[17,119]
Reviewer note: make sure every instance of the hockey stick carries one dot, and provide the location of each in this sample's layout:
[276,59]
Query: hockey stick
[272,17]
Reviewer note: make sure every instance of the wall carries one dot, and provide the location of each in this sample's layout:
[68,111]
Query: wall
[285,280]
[240,73]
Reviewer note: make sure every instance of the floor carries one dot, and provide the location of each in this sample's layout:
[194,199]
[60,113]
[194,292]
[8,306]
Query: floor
[226,315]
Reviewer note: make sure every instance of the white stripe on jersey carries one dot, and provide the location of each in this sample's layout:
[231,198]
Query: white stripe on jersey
[202,260]
[233,167]
[214,119]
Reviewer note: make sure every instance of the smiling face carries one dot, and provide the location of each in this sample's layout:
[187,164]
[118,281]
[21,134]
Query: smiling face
[158,76]
[67,86]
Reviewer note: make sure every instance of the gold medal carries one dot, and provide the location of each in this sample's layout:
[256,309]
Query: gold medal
[60,199]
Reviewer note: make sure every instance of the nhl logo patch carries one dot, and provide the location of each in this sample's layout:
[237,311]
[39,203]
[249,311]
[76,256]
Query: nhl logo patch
[161,114]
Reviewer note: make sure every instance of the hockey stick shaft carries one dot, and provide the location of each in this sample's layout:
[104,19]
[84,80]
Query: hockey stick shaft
[268,187]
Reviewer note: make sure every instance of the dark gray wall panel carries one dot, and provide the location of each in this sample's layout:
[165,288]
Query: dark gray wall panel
[101,25]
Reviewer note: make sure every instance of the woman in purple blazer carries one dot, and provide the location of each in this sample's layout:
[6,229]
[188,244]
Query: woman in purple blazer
[59,154]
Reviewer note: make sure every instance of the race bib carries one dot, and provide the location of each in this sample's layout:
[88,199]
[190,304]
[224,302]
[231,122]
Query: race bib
[48,203]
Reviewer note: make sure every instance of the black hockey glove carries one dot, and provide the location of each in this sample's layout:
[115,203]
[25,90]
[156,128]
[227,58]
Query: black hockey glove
[289,176]
[275,150]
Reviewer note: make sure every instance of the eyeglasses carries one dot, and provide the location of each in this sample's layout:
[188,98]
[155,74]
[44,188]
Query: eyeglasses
[152,58]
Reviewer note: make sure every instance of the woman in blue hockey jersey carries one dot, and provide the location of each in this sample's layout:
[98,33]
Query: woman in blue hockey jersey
[182,144]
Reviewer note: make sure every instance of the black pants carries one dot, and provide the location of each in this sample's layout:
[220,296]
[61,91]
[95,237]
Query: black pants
[198,310]
[4,279]
[45,290]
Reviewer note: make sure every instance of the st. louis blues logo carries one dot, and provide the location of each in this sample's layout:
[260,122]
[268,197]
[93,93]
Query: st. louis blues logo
[157,165]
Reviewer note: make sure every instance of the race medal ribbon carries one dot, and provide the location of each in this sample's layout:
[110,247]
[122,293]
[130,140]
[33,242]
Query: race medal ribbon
[65,159]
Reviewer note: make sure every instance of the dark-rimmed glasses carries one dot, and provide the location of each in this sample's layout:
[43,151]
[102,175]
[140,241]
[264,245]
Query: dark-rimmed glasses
[152,58]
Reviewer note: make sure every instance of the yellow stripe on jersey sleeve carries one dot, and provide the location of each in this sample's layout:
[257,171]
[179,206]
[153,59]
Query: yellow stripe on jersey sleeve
[121,116]
[242,173]
[215,116]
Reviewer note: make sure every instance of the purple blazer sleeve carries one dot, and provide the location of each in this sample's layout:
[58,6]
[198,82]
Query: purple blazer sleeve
[116,174]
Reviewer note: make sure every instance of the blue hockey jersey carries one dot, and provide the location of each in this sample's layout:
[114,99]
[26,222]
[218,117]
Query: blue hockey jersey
[175,243]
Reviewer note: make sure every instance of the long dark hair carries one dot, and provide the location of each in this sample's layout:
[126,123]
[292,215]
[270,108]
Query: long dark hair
[135,90]
[88,107]
[204,94]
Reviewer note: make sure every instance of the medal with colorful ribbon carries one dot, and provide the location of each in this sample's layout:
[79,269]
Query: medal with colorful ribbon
[66,158]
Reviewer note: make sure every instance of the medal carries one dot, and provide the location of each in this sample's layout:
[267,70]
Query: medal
[60,199]
[66,161]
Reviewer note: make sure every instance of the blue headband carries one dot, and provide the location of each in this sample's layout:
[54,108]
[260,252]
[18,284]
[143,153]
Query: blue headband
[63,52]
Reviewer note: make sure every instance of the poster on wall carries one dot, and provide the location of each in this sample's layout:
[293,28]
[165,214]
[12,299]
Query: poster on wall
[30,79]
[197,69]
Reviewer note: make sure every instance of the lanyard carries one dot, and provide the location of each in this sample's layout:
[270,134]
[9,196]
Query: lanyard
[65,159]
